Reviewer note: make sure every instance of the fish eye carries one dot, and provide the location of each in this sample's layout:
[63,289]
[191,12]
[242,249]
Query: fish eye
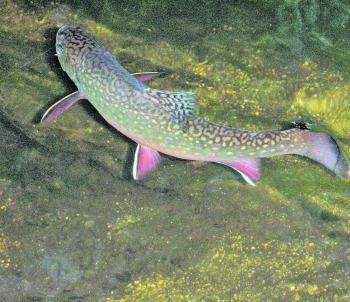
[60,48]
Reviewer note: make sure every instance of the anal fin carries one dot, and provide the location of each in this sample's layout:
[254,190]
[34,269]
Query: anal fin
[145,161]
[248,168]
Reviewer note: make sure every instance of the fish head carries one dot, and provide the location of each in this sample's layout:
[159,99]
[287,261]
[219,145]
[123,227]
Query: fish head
[72,43]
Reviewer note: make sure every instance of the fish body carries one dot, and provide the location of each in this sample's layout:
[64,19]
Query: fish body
[165,121]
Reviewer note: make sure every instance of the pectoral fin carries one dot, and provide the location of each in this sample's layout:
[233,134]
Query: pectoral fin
[61,106]
[248,168]
[145,161]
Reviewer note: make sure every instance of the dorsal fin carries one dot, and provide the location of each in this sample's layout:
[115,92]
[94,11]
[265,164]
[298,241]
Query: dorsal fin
[180,105]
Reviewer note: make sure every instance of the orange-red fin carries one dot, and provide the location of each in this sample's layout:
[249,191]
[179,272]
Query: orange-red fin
[145,161]
[248,168]
[61,106]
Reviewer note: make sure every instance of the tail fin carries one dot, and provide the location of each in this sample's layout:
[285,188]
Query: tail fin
[322,148]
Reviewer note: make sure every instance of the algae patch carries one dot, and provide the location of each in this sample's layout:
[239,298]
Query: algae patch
[330,107]
[245,269]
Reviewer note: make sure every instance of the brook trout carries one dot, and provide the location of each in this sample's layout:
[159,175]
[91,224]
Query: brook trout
[161,121]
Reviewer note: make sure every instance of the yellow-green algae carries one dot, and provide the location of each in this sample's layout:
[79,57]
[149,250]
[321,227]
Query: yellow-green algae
[243,269]
[6,261]
[6,244]
[331,106]
[186,233]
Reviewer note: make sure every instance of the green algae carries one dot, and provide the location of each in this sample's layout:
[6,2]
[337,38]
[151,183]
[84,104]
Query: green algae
[191,233]
[331,107]
[239,270]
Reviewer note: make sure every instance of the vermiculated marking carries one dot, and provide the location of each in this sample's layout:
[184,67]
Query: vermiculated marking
[160,117]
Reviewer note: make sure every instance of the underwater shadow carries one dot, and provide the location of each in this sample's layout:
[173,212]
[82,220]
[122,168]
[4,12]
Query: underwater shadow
[54,64]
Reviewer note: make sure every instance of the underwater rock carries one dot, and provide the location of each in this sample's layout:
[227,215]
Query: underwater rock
[61,271]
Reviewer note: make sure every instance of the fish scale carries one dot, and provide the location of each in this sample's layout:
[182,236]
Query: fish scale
[164,121]
[125,105]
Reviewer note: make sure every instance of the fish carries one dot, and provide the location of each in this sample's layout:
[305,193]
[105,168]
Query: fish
[165,122]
